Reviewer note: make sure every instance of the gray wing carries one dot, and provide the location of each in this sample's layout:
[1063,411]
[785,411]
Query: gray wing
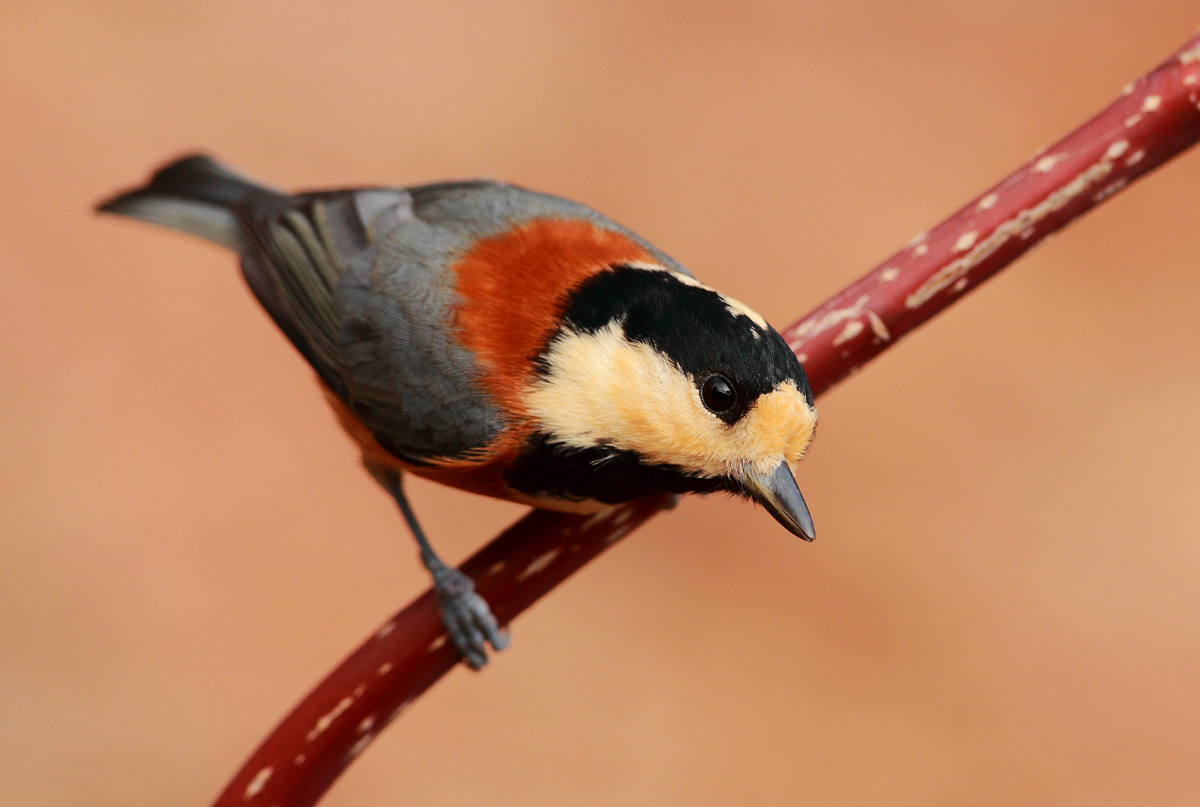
[354,280]
[407,376]
[360,282]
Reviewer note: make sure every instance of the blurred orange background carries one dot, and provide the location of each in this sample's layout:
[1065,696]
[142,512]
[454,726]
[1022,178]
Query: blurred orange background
[1001,607]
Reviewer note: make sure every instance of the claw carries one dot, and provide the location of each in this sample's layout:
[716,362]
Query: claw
[469,622]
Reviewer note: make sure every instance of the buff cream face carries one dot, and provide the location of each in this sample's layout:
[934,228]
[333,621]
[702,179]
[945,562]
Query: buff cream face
[603,389]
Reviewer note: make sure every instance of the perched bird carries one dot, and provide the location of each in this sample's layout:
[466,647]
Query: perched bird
[508,343]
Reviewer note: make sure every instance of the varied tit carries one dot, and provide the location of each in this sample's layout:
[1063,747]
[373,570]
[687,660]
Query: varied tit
[508,343]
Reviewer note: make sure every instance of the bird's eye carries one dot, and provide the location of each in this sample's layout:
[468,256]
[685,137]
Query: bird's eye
[717,393]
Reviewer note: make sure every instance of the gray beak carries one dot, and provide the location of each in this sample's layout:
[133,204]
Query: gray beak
[778,492]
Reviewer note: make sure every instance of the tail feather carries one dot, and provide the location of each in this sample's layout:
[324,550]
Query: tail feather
[194,194]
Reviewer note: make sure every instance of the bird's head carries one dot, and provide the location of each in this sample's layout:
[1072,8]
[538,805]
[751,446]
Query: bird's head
[659,383]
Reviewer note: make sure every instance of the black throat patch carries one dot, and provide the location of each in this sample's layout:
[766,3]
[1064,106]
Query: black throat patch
[600,473]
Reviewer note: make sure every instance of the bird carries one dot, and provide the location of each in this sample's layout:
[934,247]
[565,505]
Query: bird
[508,343]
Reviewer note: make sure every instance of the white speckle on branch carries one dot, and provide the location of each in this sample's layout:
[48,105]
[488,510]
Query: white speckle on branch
[623,516]
[1190,79]
[326,720]
[988,202]
[878,327]
[889,274]
[1048,162]
[367,724]
[437,643]
[965,241]
[300,759]
[496,568]
[359,746]
[959,285]
[539,564]
[1116,149]
[257,783]
[384,668]
[387,628]
[1136,157]
[618,533]
[595,520]
[1152,103]
[852,329]
[1133,120]
[920,250]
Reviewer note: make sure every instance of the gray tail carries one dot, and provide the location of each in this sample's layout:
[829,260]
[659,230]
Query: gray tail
[194,194]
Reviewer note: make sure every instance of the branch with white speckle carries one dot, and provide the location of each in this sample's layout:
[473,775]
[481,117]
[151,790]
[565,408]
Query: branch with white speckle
[1154,119]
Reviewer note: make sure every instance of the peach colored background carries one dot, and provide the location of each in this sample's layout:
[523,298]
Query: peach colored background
[1002,606]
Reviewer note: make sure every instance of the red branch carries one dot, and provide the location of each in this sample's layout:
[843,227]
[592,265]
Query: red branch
[1156,118]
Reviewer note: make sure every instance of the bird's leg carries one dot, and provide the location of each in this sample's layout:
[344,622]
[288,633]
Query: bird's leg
[466,615]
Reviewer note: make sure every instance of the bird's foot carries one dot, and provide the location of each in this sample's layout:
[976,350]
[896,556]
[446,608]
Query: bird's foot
[467,617]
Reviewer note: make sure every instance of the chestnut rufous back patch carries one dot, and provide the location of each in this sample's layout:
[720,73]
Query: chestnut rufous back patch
[512,287]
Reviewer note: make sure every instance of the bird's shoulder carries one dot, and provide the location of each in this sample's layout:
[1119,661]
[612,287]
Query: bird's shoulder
[422,306]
